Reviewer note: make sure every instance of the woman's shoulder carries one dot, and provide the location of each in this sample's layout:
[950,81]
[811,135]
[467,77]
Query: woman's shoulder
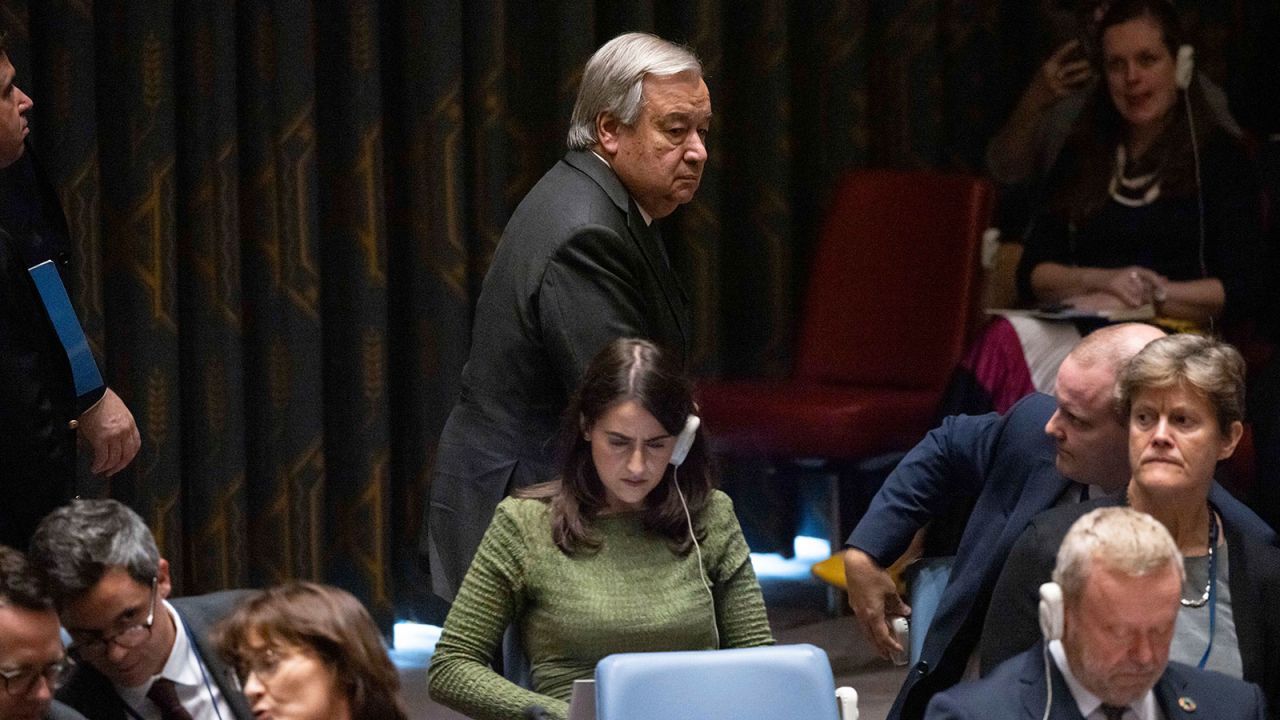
[718,511]
[523,512]
[718,501]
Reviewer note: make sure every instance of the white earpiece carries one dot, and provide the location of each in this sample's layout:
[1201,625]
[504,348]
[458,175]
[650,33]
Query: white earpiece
[684,441]
[1051,626]
[1051,611]
[1185,67]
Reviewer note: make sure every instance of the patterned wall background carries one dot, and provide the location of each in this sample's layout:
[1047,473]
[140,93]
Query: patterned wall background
[283,211]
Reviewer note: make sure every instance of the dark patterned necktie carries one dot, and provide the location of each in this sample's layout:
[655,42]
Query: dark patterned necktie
[165,697]
[1112,712]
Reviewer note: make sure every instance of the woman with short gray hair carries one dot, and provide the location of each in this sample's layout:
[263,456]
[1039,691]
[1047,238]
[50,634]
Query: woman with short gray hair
[1184,399]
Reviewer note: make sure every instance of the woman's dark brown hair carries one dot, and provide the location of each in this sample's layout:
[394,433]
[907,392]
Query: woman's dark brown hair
[1087,159]
[329,622]
[626,369]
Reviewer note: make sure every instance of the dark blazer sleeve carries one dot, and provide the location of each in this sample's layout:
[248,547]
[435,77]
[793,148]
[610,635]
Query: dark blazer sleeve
[944,707]
[58,711]
[1255,586]
[949,465]
[591,293]
[88,691]
[202,613]
[1013,617]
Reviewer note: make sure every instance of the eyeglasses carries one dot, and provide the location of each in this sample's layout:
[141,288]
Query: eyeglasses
[22,681]
[265,664]
[88,642]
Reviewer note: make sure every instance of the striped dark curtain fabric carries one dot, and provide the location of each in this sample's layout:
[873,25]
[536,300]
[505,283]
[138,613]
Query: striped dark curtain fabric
[283,211]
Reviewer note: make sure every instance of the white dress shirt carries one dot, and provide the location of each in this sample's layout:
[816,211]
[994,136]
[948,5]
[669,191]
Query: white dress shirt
[197,689]
[1144,708]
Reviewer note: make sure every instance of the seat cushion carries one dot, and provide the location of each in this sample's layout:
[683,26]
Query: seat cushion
[785,419]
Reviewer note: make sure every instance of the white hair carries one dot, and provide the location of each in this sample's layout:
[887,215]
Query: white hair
[1119,539]
[613,81]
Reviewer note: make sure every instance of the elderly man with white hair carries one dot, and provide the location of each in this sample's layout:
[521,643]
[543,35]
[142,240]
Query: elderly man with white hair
[1107,620]
[580,263]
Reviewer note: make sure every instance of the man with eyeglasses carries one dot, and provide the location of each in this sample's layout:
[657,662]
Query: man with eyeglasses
[32,661]
[139,656]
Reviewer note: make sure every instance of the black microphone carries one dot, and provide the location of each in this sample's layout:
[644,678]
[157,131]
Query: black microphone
[535,712]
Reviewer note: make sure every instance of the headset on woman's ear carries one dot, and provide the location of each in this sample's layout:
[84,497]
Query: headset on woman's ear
[1185,67]
[684,441]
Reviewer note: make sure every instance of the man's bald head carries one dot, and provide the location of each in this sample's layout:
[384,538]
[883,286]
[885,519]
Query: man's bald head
[1090,435]
[1113,346]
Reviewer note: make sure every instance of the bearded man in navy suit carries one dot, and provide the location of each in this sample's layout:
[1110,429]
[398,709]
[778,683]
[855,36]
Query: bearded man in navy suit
[1108,619]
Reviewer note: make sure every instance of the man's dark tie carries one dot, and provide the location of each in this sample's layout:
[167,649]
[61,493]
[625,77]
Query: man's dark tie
[165,696]
[1112,712]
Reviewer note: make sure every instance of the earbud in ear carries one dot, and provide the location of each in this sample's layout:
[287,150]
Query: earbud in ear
[1185,66]
[1051,611]
[684,441]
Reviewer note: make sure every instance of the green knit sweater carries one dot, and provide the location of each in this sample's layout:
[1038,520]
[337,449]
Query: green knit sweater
[632,595]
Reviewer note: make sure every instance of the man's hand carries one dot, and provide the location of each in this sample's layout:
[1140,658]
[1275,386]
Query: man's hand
[110,430]
[873,599]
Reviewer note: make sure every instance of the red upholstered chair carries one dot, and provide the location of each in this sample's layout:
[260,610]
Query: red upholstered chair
[891,295]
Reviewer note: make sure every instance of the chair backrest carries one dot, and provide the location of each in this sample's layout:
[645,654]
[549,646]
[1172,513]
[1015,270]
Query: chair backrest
[895,279]
[782,682]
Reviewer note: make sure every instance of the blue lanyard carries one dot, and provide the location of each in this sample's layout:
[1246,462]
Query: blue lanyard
[195,650]
[1213,583]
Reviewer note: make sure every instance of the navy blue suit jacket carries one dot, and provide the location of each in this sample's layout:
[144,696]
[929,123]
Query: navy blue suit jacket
[1007,464]
[1253,576]
[1016,691]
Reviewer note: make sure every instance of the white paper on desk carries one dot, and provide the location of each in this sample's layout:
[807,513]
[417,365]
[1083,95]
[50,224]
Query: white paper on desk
[1066,312]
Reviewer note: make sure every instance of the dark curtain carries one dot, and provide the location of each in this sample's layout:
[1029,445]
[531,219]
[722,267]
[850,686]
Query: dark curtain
[283,211]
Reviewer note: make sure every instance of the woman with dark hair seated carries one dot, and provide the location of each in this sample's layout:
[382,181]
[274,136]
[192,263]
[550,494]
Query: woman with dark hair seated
[628,551]
[305,651]
[1153,207]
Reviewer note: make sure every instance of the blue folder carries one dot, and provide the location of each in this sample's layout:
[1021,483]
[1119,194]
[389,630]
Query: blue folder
[84,369]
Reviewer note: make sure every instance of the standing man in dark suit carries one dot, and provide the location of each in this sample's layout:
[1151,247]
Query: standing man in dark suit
[41,403]
[140,656]
[579,264]
[33,663]
[1108,619]
[1038,455]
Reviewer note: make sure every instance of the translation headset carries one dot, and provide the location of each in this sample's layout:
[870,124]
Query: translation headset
[1183,72]
[1051,623]
[684,442]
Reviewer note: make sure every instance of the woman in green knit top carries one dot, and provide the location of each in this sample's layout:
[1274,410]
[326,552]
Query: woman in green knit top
[602,560]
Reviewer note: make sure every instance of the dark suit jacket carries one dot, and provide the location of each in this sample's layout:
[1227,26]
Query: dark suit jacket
[1007,464]
[1253,575]
[58,711]
[37,395]
[576,268]
[1016,691]
[90,692]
